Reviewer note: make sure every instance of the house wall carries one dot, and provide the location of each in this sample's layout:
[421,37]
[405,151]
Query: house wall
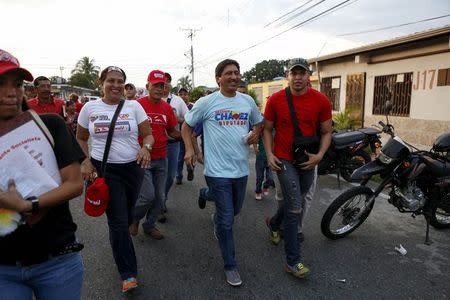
[430,104]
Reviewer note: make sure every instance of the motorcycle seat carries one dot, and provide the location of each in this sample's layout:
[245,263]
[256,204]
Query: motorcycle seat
[437,167]
[370,131]
[347,138]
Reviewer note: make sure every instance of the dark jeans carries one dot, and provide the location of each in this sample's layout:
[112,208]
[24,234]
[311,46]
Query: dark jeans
[228,195]
[295,185]
[262,168]
[181,161]
[124,181]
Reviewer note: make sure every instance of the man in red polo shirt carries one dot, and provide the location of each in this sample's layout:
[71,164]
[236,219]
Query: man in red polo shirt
[45,103]
[163,122]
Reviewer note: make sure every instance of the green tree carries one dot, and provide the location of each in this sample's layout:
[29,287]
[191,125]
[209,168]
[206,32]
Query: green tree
[196,94]
[85,73]
[265,71]
[184,82]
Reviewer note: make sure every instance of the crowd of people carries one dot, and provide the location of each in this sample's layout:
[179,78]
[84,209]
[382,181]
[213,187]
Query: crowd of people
[154,137]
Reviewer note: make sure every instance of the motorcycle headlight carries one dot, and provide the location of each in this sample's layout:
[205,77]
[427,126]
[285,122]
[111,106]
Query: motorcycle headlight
[385,159]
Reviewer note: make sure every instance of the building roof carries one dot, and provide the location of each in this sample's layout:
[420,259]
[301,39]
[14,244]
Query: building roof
[387,43]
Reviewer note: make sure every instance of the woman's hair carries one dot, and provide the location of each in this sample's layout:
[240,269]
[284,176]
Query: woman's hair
[70,103]
[110,69]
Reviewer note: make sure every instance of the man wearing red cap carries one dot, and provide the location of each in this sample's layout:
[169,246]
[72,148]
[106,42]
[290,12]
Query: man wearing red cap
[163,121]
[45,103]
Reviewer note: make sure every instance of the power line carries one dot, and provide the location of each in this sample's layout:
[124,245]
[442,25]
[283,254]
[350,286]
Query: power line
[284,31]
[299,13]
[191,36]
[394,26]
[291,11]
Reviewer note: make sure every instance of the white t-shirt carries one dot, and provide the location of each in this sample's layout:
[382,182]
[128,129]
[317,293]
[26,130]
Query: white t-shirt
[96,117]
[179,107]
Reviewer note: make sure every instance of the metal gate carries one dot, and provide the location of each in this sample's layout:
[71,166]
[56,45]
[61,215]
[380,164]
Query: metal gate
[355,94]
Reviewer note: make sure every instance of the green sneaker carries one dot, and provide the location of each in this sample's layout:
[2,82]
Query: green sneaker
[299,270]
[274,234]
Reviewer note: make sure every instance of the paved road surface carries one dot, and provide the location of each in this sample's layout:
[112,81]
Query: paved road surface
[187,263]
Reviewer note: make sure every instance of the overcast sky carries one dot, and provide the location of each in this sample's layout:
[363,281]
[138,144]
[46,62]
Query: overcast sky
[141,35]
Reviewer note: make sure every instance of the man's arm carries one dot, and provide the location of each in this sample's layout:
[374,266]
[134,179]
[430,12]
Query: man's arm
[325,141]
[172,132]
[186,133]
[272,160]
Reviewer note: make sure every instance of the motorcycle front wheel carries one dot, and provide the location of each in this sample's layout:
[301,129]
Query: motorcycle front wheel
[354,161]
[440,213]
[343,215]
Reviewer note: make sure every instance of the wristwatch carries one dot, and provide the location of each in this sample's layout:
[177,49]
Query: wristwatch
[148,147]
[34,204]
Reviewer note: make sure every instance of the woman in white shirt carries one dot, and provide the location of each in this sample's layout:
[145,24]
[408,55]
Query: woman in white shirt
[123,174]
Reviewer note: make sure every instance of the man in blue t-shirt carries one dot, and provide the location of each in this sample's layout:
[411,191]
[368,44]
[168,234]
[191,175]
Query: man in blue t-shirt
[226,116]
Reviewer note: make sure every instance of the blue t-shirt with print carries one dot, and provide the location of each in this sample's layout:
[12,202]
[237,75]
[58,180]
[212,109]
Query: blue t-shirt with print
[225,123]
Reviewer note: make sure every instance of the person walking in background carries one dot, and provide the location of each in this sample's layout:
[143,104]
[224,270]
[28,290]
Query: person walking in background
[264,176]
[45,102]
[130,91]
[71,116]
[173,146]
[123,174]
[312,111]
[163,122]
[184,94]
[76,99]
[226,116]
[41,256]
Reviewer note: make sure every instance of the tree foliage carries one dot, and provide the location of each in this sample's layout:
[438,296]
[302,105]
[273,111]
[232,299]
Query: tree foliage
[85,73]
[265,71]
[196,94]
[184,82]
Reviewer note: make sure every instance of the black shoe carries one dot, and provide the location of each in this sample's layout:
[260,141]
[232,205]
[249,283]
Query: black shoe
[162,218]
[179,180]
[202,198]
[190,176]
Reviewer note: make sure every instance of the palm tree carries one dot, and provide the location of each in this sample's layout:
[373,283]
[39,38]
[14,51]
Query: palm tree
[185,82]
[85,73]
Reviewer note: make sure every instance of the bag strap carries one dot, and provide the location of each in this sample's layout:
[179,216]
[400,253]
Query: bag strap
[109,138]
[42,127]
[297,130]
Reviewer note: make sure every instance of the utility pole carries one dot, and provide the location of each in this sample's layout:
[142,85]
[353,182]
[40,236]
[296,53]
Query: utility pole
[191,36]
[61,69]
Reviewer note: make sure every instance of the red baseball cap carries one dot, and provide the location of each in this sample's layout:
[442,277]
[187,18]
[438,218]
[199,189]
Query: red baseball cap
[10,63]
[96,198]
[156,76]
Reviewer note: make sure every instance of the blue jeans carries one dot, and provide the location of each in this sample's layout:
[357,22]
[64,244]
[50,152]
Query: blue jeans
[294,185]
[228,195]
[172,163]
[181,161]
[60,277]
[262,168]
[151,197]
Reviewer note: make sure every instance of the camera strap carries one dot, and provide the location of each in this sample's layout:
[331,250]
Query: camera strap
[297,130]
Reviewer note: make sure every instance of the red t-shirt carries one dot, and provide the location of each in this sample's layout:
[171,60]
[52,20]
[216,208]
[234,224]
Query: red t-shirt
[78,106]
[161,117]
[311,108]
[54,107]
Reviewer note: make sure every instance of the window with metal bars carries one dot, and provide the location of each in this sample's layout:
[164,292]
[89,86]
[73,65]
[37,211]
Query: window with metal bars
[331,87]
[396,88]
[443,77]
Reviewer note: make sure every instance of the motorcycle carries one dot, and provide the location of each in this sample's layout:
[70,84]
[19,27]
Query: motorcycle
[346,152]
[418,183]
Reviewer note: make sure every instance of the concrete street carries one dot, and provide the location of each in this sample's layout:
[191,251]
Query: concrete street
[187,263]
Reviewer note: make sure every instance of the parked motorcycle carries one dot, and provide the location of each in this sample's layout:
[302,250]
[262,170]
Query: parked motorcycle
[346,152]
[418,183]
